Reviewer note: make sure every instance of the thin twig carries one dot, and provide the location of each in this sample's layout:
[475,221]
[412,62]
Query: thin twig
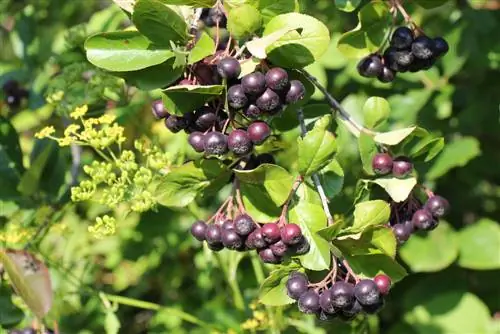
[284,210]
[350,271]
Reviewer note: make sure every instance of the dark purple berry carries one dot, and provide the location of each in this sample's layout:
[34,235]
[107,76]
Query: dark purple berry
[205,118]
[291,234]
[257,239]
[402,38]
[409,225]
[229,68]
[158,109]
[213,235]
[13,101]
[342,294]
[325,301]
[382,163]
[401,167]
[254,84]
[252,111]
[227,224]
[10,87]
[268,101]
[277,79]
[215,143]
[421,64]
[296,92]
[231,239]
[175,123]
[300,248]
[267,256]
[350,312]
[239,142]
[438,206]
[401,232]
[367,292]
[216,246]
[296,286]
[236,97]
[271,232]
[279,248]
[423,220]
[387,75]
[423,47]
[441,47]
[244,225]
[372,309]
[309,302]
[383,283]
[198,230]
[258,132]
[370,66]
[197,141]
[398,60]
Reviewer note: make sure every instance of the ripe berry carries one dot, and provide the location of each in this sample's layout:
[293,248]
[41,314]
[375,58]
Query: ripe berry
[215,143]
[409,225]
[158,109]
[350,312]
[216,247]
[300,248]
[437,206]
[227,224]
[10,87]
[279,248]
[401,167]
[296,286]
[229,68]
[175,123]
[244,225]
[271,232]
[254,83]
[291,234]
[309,302]
[236,97]
[441,47]
[239,142]
[325,301]
[387,75]
[401,232]
[256,240]
[231,239]
[296,92]
[197,141]
[13,101]
[372,309]
[382,163]
[366,292]
[383,283]
[213,235]
[258,132]
[398,60]
[422,219]
[342,294]
[198,230]
[402,38]
[370,66]
[277,79]
[268,101]
[423,47]
[213,16]
[204,118]
[267,256]
[252,111]
[421,64]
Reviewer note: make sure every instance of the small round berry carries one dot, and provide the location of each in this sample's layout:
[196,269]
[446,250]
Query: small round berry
[215,143]
[204,118]
[13,101]
[10,87]
[291,234]
[158,110]
[216,246]
[382,163]
[325,302]
[271,232]
[342,294]
[324,316]
[244,225]
[231,239]
[441,47]
[254,83]
[409,225]
[198,230]
[423,220]
[350,312]
[401,232]
[387,75]
[236,97]
[370,66]
[197,141]
[229,68]
[267,256]
[215,17]
[239,142]
[423,47]
[296,286]
[300,248]
[255,240]
[383,283]
[258,132]
[252,111]
[279,248]
[296,92]
[398,60]
[401,167]
[268,101]
[309,302]
[372,309]
[213,235]
[277,79]
[402,38]
[367,292]
[227,224]
[175,123]
[438,206]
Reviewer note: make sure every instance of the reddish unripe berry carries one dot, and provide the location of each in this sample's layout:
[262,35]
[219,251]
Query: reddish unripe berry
[258,132]
[291,234]
[271,233]
[383,283]
[382,163]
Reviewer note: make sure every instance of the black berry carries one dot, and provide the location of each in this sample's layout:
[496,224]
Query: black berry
[441,47]
[244,225]
[437,206]
[256,240]
[370,66]
[239,142]
[254,83]
[236,97]
[296,92]
[252,111]
[309,302]
[323,316]
[325,302]
[423,47]
[342,294]
[268,101]
[401,167]
[422,219]
[301,247]
[198,230]
[231,239]
[213,235]
[227,224]
[372,309]
[216,246]
[205,118]
[383,283]
[158,110]
[267,256]
[271,232]
[401,232]
[387,75]
[382,163]
[197,141]
[367,292]
[229,68]
[215,143]
[402,38]
[296,286]
[277,79]
[291,234]
[398,60]
[279,248]
[175,123]
[258,132]
[350,312]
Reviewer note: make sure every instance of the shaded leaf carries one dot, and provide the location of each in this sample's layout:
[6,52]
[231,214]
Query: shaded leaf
[370,214]
[347,5]
[398,189]
[375,111]
[204,47]
[456,154]
[479,245]
[393,137]
[332,178]
[273,290]
[370,265]
[367,150]
[179,100]
[10,314]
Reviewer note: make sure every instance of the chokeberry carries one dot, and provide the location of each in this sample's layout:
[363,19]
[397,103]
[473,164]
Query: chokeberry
[300,248]
[197,141]
[367,292]
[252,111]
[258,132]
[291,234]
[216,246]
[342,294]
[256,240]
[323,316]
[401,232]
[423,220]
[271,232]
[231,239]
[229,68]
[198,230]
[387,75]
[309,302]
[236,97]
[382,163]
[372,309]
[158,109]
[268,101]
[398,60]
[239,142]
[213,235]
[296,92]
[205,118]
[215,143]
[441,47]
[423,47]
[383,283]
[401,167]
[175,123]
[325,302]
[227,224]
[437,206]
[244,225]
[279,248]
[254,83]
[402,38]
[267,256]
[350,312]
[296,286]
[215,17]
[10,87]
[277,79]
[370,66]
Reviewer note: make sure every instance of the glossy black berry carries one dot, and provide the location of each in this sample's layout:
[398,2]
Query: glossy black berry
[372,309]
[197,141]
[231,239]
[342,294]
[244,225]
[255,240]
[421,64]
[441,47]
[367,292]
[291,234]
[252,111]
[254,84]
[198,230]
[402,38]
[158,109]
[239,142]
[401,232]
[387,75]
[325,302]
[277,79]
[271,232]
[236,97]
[267,256]
[268,101]
[350,312]
[13,101]
[175,123]
[205,118]
[258,132]
[382,163]
[227,224]
[213,235]
[229,68]
[401,167]
[423,47]
[296,92]
[370,66]
[215,143]
[438,206]
[296,286]
[279,248]
[383,283]
[215,17]
[398,60]
[309,302]
[300,248]
[423,220]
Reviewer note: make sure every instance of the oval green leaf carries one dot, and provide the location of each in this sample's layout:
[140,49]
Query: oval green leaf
[183,99]
[480,246]
[398,189]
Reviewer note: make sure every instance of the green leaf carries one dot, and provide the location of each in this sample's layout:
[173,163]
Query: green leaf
[193,3]
[395,137]
[10,314]
[183,99]
[273,289]
[347,5]
[431,3]
[111,323]
[159,23]
[124,51]
[375,111]
[204,47]
[383,238]
[11,166]
[30,279]
[380,240]
[368,36]
[432,251]
[398,189]
[153,77]
[479,245]
[311,219]
[243,28]
[367,150]
[271,8]
[182,184]
[427,148]
[258,46]
[368,266]
[316,148]
[127,5]
[332,178]
[297,49]
[456,154]
[370,214]
[30,181]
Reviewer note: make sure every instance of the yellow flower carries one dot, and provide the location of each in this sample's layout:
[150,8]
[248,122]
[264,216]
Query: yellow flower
[45,132]
[106,119]
[71,129]
[57,96]
[66,141]
[79,111]
[103,227]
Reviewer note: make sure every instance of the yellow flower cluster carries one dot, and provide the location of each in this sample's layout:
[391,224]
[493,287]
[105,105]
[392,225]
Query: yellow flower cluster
[259,319]
[103,227]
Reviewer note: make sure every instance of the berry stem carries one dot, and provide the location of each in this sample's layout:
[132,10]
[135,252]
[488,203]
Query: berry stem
[241,207]
[221,208]
[284,210]
[350,272]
